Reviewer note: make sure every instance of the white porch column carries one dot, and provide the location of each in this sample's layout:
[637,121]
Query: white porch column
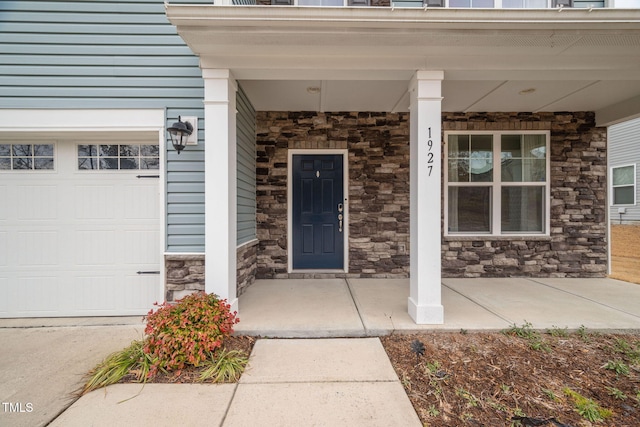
[425,300]
[220,183]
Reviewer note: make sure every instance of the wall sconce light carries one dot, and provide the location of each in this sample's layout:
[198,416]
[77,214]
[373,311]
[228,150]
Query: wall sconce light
[179,132]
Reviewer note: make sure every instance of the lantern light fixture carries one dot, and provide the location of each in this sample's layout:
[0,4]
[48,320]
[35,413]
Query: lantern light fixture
[179,133]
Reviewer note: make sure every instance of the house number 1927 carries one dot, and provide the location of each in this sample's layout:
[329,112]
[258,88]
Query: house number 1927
[430,154]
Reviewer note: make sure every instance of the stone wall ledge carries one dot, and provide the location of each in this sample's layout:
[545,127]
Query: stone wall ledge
[509,238]
[183,257]
[247,245]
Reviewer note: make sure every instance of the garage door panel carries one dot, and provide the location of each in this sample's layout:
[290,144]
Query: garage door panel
[37,248]
[139,248]
[95,247]
[34,294]
[37,202]
[140,203]
[4,211]
[94,293]
[94,202]
[140,288]
[4,249]
[5,295]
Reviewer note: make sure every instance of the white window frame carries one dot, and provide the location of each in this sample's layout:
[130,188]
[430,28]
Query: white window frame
[496,185]
[139,157]
[635,182]
[32,142]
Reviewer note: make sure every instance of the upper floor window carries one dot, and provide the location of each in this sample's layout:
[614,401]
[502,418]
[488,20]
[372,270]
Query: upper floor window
[320,2]
[501,4]
[497,183]
[623,185]
[530,4]
[471,3]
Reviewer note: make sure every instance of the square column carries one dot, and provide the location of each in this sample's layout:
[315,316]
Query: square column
[425,299]
[220,184]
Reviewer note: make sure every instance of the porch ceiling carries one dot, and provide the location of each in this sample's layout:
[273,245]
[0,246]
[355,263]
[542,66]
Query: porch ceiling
[361,59]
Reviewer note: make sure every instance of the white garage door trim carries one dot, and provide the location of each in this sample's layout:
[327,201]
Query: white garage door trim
[75,126]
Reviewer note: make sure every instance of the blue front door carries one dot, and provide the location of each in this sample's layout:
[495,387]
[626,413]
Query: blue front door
[318,212]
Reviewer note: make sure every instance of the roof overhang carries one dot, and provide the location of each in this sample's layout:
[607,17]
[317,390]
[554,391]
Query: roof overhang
[575,59]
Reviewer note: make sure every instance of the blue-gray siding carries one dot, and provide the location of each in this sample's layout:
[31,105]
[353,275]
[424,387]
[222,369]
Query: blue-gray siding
[246,160]
[110,54]
[624,149]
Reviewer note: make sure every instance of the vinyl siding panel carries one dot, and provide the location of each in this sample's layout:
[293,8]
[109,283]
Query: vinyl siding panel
[111,54]
[624,149]
[246,161]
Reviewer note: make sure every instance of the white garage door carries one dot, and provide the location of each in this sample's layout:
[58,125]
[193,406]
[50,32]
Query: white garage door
[79,229]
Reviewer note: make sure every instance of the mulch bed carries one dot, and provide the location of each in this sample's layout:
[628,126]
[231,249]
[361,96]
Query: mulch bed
[190,375]
[487,379]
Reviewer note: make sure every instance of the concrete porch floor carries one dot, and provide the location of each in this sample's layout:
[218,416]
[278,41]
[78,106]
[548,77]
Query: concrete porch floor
[369,307]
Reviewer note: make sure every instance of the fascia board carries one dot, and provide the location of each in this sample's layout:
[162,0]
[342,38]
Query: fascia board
[199,17]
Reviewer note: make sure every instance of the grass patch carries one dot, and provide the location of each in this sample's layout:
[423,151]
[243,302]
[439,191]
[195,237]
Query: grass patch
[131,360]
[587,408]
[617,366]
[225,366]
[526,332]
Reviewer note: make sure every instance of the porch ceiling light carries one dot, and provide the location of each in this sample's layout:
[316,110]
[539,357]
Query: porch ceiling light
[527,91]
[179,133]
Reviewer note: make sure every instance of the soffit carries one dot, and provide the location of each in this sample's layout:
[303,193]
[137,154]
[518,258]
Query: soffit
[574,59]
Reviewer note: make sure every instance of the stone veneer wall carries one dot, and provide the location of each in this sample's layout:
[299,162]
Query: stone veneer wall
[185,273]
[247,266]
[378,145]
[378,196]
[577,246]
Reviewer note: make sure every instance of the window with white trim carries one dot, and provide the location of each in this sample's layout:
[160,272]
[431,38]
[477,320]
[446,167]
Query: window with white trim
[497,183]
[326,3]
[623,185]
[118,156]
[26,156]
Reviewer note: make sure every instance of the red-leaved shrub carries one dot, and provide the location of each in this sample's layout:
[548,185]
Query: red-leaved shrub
[185,333]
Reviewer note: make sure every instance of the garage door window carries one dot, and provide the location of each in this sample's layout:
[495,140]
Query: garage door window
[118,156]
[26,156]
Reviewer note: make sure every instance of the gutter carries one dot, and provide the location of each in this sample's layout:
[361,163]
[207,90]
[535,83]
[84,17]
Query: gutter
[406,18]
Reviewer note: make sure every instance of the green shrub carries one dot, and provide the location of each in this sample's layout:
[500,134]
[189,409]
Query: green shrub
[188,331]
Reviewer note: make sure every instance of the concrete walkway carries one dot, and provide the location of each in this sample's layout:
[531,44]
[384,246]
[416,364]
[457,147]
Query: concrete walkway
[372,307]
[290,382]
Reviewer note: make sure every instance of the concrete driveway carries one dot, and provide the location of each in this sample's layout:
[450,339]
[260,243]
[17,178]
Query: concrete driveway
[41,366]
